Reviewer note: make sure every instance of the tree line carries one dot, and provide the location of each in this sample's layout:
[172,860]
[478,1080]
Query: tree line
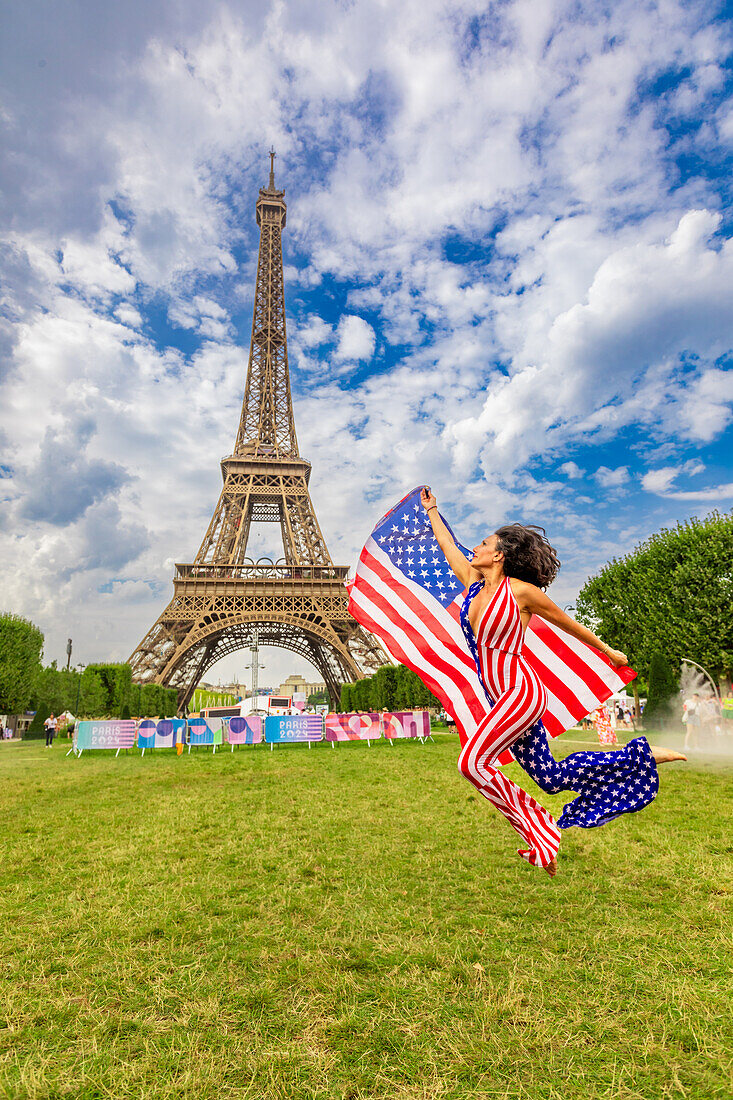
[392,687]
[99,691]
[669,599]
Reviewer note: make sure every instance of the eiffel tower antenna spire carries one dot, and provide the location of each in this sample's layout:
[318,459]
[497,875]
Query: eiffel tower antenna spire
[267,413]
[224,600]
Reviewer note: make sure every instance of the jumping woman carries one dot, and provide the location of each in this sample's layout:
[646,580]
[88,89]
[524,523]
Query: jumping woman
[505,581]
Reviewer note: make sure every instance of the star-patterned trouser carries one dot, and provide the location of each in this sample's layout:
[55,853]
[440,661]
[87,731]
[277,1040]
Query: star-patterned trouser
[608,784]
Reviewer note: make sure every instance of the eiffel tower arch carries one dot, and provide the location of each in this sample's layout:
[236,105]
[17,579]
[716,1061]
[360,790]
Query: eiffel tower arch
[298,602]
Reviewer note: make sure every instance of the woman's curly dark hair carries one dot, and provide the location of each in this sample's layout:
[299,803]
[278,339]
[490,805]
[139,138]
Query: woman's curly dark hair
[528,555]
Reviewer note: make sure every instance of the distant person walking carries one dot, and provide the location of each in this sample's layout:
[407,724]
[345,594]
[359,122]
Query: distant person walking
[604,726]
[50,727]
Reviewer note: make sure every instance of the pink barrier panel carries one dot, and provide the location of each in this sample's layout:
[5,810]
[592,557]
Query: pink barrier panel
[352,727]
[405,723]
[244,731]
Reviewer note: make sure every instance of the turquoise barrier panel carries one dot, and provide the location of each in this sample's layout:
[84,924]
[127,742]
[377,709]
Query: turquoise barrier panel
[146,734]
[291,728]
[105,735]
[200,732]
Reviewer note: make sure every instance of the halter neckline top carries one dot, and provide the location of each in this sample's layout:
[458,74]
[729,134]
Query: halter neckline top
[500,624]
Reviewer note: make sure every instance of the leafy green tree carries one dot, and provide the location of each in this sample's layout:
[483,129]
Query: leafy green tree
[20,662]
[122,688]
[56,689]
[385,687]
[673,591]
[157,700]
[116,679]
[148,700]
[361,694]
[402,688]
[663,688]
[412,693]
[392,687]
[345,700]
[135,702]
[93,695]
[106,676]
[37,728]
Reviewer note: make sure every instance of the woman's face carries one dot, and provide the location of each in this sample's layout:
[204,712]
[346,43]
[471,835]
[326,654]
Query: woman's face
[486,553]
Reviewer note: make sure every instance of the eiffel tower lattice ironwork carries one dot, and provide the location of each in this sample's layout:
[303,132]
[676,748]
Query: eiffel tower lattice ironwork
[298,603]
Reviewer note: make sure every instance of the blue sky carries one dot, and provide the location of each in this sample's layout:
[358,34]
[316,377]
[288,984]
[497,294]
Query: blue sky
[508,274]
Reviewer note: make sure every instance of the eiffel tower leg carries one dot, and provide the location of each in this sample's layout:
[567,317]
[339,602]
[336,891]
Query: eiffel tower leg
[199,668]
[332,670]
[366,652]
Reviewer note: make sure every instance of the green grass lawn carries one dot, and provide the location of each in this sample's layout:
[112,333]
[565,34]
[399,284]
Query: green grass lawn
[349,924]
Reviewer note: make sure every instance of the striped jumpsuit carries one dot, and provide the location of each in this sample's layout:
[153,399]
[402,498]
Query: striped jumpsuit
[609,784]
[519,702]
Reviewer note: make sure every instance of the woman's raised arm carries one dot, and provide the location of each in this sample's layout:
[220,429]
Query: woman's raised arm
[458,562]
[536,601]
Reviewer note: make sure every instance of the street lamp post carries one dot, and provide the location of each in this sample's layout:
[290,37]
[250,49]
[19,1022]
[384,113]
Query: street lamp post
[706,674]
[254,665]
[78,691]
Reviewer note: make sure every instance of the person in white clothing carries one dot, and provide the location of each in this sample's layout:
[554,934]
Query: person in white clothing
[50,726]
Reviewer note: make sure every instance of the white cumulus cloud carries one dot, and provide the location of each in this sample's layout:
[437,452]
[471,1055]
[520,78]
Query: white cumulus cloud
[356,339]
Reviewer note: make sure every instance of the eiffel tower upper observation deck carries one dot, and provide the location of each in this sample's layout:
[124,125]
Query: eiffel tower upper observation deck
[298,602]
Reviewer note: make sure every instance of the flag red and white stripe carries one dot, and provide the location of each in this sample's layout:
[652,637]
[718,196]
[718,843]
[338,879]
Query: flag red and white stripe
[426,635]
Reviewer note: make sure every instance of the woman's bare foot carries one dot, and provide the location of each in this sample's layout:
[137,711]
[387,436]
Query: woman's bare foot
[666,756]
[551,868]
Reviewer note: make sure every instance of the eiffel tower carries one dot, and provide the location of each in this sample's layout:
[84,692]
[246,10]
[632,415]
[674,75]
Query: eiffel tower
[220,599]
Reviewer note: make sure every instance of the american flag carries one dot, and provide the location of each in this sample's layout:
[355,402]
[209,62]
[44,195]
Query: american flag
[405,592]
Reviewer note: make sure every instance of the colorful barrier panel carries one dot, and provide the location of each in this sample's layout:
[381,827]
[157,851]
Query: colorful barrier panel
[217,725]
[115,734]
[204,731]
[290,728]
[406,723]
[250,730]
[164,733]
[146,734]
[170,732]
[353,727]
[244,731]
